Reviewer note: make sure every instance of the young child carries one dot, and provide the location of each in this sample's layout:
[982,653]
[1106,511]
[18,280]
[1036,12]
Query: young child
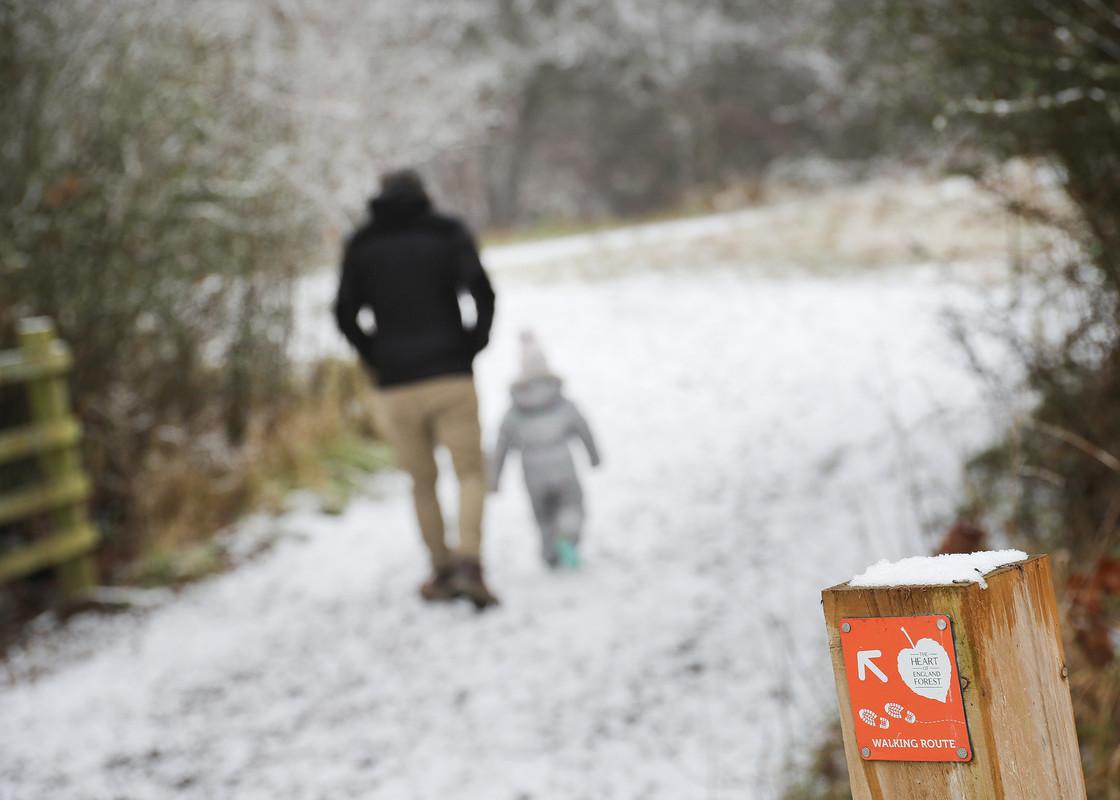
[540,423]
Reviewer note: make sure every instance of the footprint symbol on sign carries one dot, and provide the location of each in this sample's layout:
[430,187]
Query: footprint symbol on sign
[898,712]
[874,720]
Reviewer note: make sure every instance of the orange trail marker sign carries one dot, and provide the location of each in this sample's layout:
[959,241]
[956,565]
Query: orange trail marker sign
[904,685]
[1004,648]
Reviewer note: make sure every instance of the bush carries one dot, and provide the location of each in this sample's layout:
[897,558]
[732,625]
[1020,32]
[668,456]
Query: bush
[1008,79]
[145,209]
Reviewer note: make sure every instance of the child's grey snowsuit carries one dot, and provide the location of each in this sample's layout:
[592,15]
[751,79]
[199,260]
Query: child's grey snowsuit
[539,424]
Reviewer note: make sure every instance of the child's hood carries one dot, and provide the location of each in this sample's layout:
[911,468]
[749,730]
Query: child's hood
[537,393]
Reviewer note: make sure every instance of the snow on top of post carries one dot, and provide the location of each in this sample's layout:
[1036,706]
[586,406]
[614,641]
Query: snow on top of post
[937,570]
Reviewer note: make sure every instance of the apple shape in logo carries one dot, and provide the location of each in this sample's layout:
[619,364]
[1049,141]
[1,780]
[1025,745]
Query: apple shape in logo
[926,668]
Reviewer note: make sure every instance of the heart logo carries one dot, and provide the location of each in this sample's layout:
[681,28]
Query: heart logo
[926,668]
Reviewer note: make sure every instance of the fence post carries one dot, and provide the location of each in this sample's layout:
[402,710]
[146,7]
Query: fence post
[49,400]
[1010,672]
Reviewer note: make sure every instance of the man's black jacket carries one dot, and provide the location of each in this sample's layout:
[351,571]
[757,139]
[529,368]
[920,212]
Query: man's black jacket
[409,265]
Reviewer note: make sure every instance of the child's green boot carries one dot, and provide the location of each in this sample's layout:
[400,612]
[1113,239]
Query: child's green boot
[567,553]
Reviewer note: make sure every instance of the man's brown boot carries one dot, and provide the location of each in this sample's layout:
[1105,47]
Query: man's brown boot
[468,583]
[440,586]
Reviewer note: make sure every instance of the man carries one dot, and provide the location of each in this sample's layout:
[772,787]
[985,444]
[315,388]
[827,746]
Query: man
[409,265]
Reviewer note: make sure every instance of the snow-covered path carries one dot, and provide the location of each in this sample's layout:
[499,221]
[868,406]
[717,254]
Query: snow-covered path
[764,437]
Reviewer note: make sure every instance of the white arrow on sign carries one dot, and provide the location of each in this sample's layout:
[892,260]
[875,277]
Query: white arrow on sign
[864,662]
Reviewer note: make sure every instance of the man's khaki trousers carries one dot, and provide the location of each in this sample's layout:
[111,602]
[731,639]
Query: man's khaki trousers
[418,418]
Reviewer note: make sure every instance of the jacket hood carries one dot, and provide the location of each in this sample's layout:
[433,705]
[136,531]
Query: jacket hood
[537,393]
[396,208]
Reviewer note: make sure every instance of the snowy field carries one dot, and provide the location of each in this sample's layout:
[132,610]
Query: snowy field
[766,433]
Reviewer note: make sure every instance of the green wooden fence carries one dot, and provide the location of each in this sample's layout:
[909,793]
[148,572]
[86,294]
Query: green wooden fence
[51,439]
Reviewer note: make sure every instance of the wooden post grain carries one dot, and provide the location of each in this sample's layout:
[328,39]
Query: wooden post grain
[1013,677]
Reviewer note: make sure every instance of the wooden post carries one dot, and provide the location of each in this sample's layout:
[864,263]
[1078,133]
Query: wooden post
[1013,680]
[49,399]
